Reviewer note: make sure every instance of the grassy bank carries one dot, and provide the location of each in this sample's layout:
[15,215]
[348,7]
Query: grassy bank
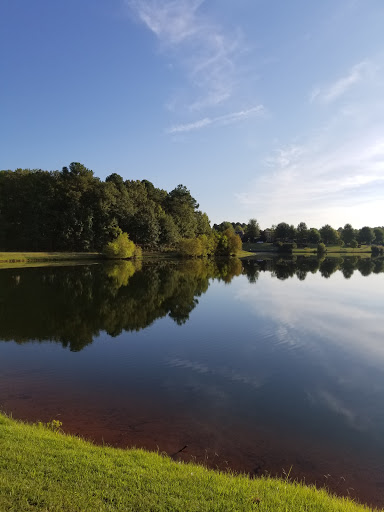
[255,247]
[364,249]
[161,255]
[43,470]
[35,257]
[311,249]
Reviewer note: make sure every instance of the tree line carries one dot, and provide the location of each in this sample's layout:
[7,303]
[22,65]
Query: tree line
[72,210]
[285,232]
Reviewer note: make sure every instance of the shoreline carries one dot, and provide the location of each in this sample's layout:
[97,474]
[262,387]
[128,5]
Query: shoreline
[91,477]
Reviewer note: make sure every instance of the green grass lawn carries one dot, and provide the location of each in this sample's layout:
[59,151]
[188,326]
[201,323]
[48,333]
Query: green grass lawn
[244,254]
[364,249]
[44,470]
[39,259]
[24,257]
[255,247]
[311,249]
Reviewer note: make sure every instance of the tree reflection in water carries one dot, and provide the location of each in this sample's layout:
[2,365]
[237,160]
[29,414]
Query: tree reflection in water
[72,305]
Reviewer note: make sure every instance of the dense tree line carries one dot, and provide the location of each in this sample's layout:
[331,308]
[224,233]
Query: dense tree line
[72,210]
[301,234]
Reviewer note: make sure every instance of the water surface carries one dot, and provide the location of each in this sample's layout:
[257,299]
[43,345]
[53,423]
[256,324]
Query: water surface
[260,366]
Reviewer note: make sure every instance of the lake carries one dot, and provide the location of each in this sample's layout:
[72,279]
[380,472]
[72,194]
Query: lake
[270,366]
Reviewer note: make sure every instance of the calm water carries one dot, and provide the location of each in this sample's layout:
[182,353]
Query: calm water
[258,366]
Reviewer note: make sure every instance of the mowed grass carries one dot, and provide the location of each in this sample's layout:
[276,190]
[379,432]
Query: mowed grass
[364,249]
[244,254]
[255,247]
[36,257]
[43,470]
[311,249]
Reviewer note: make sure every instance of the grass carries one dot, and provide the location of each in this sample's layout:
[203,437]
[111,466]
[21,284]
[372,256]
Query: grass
[311,249]
[33,257]
[45,470]
[43,259]
[255,247]
[161,255]
[244,254]
[364,249]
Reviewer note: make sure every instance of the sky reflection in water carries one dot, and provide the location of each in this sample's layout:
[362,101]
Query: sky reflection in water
[217,358]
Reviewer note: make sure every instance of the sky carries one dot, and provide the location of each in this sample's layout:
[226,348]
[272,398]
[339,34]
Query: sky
[266,109]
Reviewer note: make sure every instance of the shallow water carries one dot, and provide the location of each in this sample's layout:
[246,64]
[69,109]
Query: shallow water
[256,366]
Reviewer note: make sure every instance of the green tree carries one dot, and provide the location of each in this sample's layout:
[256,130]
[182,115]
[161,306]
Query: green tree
[366,235]
[191,247]
[292,232]
[282,231]
[321,249]
[329,235]
[379,236]
[239,230]
[169,234]
[302,232]
[347,234]
[253,229]
[181,205]
[203,224]
[208,244]
[230,243]
[223,226]
[314,236]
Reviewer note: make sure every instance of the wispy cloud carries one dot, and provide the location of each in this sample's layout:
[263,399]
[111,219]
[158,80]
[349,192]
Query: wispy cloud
[335,174]
[203,49]
[322,183]
[233,117]
[173,21]
[339,87]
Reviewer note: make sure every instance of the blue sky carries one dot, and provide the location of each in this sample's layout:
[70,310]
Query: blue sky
[262,108]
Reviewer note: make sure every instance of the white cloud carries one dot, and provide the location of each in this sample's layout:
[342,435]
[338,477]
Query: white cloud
[333,175]
[205,51]
[219,120]
[338,88]
[172,21]
[322,182]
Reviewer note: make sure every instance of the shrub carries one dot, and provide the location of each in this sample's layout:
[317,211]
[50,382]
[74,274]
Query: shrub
[286,248]
[120,248]
[137,253]
[376,251]
[321,249]
[190,247]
